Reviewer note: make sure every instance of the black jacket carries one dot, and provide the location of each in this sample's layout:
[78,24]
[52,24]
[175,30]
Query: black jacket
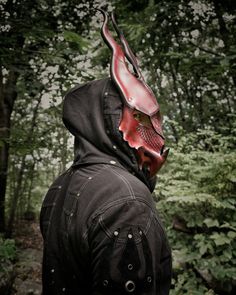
[101,230]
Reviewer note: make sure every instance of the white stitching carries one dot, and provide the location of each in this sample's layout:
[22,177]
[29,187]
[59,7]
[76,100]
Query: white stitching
[126,182]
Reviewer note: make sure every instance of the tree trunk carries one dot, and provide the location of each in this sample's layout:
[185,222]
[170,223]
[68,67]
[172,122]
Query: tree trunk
[225,34]
[31,173]
[14,201]
[20,176]
[8,96]
[178,98]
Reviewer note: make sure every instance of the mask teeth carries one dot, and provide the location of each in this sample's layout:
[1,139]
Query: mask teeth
[144,160]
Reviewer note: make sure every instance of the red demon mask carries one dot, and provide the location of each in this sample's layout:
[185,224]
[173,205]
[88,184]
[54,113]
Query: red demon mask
[141,119]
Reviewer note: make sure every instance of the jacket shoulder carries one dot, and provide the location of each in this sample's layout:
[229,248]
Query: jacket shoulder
[87,84]
[114,183]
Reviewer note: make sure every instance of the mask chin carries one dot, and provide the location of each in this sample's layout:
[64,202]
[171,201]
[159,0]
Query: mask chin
[149,161]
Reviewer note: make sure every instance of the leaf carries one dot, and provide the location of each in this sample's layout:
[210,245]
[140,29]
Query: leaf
[227,225]
[227,253]
[231,234]
[203,249]
[220,239]
[211,222]
[232,178]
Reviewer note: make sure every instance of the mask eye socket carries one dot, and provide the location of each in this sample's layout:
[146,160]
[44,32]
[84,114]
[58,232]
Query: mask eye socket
[142,118]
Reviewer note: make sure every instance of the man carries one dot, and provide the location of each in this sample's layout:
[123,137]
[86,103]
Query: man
[102,234]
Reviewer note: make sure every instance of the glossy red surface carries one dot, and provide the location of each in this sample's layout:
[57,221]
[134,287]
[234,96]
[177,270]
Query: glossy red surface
[148,143]
[135,91]
[143,134]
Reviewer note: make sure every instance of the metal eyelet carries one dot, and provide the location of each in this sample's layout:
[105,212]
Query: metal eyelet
[105,283]
[130,266]
[116,233]
[130,286]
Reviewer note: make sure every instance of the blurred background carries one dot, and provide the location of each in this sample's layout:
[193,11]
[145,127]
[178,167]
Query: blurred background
[187,52]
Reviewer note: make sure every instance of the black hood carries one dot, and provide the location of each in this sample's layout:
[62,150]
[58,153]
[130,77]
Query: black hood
[92,113]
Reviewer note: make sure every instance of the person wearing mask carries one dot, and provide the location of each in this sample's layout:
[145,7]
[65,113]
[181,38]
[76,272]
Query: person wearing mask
[102,233]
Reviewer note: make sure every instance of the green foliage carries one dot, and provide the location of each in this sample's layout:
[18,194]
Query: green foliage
[75,41]
[7,252]
[41,47]
[187,49]
[197,200]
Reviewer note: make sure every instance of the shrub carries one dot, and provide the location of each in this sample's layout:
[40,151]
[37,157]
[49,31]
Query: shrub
[7,252]
[196,194]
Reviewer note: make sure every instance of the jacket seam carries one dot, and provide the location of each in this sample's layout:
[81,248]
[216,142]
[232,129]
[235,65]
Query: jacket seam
[79,192]
[123,199]
[131,192]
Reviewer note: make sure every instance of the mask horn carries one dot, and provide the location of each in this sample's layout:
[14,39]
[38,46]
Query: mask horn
[135,91]
[107,37]
[128,52]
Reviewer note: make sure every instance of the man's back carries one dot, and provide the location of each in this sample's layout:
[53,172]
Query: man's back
[102,234]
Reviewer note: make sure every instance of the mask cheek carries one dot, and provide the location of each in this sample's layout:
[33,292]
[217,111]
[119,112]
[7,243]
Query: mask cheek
[148,143]
[128,126]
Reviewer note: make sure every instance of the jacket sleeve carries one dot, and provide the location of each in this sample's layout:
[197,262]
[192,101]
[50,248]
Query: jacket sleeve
[129,251]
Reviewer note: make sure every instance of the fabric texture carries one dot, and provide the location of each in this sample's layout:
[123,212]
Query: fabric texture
[102,233]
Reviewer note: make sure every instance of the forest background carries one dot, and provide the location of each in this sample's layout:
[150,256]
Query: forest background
[187,51]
